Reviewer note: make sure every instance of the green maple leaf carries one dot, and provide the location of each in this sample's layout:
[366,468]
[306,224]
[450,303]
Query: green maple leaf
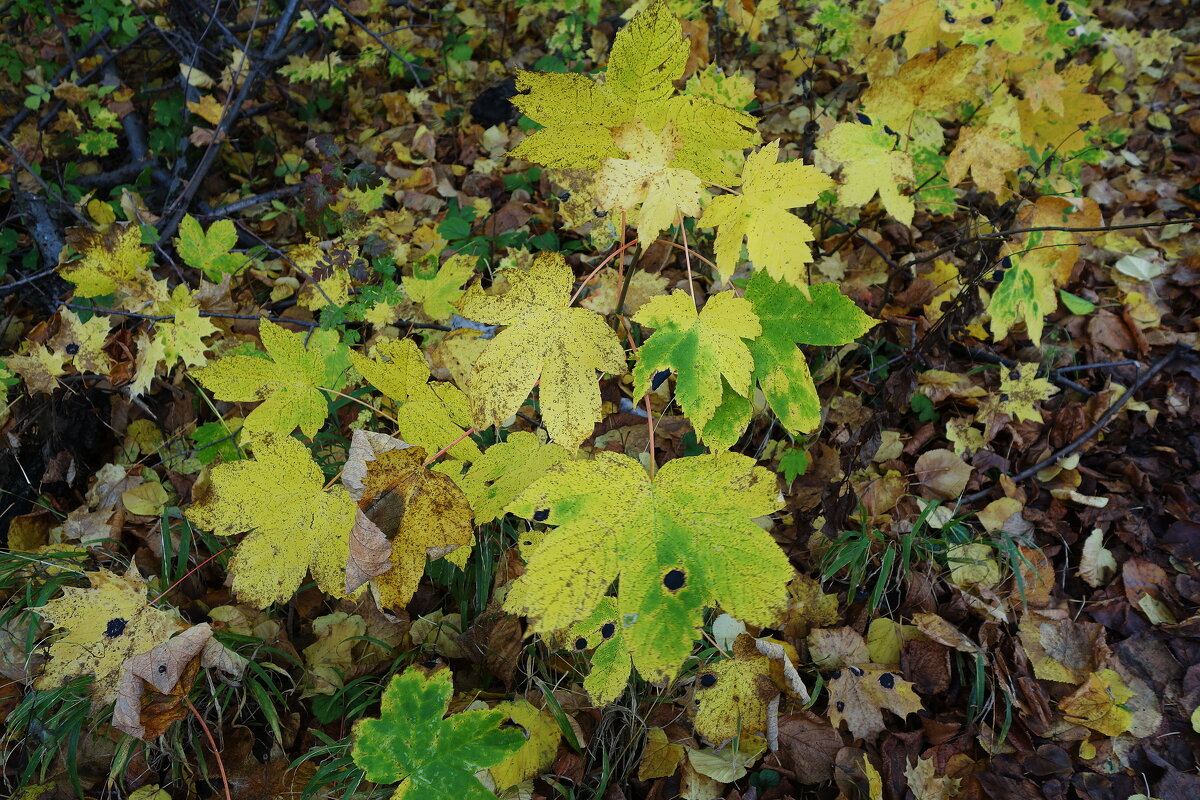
[287,384]
[680,543]
[580,115]
[706,350]
[788,318]
[431,757]
[209,251]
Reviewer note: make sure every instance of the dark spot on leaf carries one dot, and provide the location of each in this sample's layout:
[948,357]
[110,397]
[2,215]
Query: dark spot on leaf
[607,630]
[72,349]
[1015,375]
[581,643]
[162,669]
[675,579]
[887,680]
[835,675]
[863,118]
[541,515]
[856,672]
[659,377]
[950,19]
[841,706]
[708,680]
[988,20]
[115,628]
[1004,397]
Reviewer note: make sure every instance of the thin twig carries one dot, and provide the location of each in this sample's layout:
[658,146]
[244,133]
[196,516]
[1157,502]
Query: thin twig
[249,202]
[37,276]
[1080,440]
[993,358]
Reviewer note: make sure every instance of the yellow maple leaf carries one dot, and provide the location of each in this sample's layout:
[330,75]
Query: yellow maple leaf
[1064,129]
[109,259]
[40,367]
[664,192]
[870,164]
[926,785]
[733,694]
[183,336]
[986,153]
[423,512]
[287,383]
[431,415]
[438,294]
[83,342]
[1020,389]
[545,340]
[912,100]
[776,240]
[1099,704]
[150,353]
[919,20]
[579,114]
[606,291]
[858,694]
[542,736]
[292,524]
[103,625]
[209,108]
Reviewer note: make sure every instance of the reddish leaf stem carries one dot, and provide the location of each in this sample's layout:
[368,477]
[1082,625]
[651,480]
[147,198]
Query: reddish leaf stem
[213,744]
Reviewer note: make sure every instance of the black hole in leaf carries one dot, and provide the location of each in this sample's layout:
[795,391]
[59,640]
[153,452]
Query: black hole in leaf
[675,579]
[115,628]
[855,671]
[581,643]
[607,630]
[72,349]
[708,680]
[841,706]
[541,515]
[887,680]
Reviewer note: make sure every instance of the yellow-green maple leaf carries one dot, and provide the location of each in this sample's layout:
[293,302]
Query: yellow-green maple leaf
[870,163]
[40,368]
[1026,291]
[505,470]
[292,524]
[603,634]
[431,415]
[209,251]
[706,352]
[438,294]
[776,240]
[645,178]
[648,56]
[182,336]
[733,694]
[103,625]
[680,543]
[545,340]
[287,384]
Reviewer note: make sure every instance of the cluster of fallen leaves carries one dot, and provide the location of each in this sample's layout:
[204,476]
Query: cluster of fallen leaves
[1041,639]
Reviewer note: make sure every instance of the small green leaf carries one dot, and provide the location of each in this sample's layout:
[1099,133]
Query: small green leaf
[432,758]
[1076,304]
[793,463]
[209,252]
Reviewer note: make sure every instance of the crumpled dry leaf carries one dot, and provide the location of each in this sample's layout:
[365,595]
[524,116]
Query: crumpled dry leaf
[168,669]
